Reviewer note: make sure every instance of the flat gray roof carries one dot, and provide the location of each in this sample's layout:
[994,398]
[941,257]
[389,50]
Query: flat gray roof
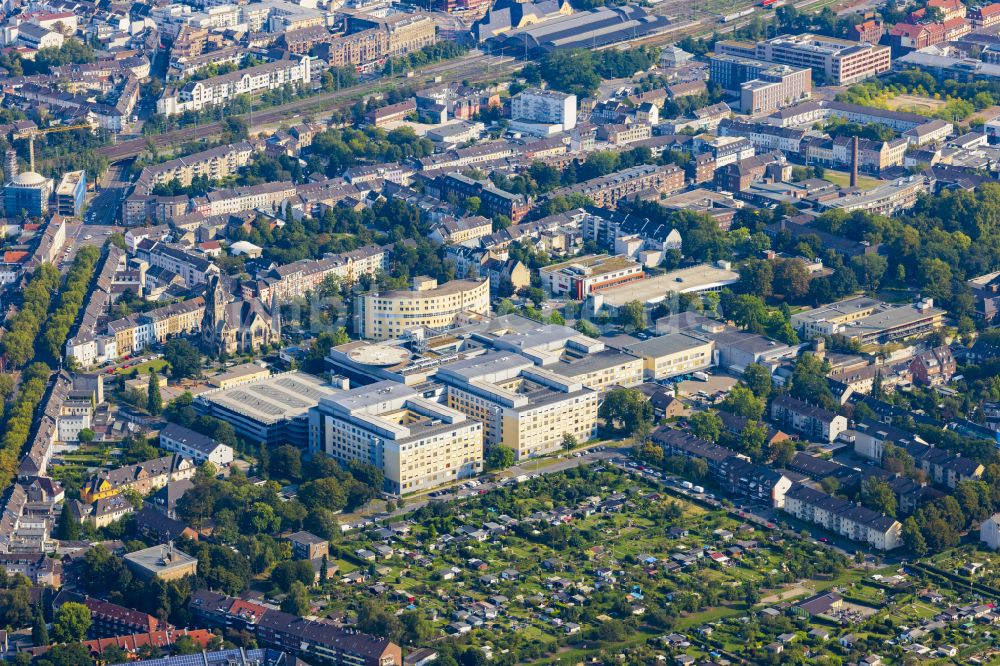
[663,345]
[274,398]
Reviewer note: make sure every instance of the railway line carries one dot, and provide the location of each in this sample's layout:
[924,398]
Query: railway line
[475,67]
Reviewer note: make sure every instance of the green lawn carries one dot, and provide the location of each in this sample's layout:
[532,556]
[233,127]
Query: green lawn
[843,179]
[143,368]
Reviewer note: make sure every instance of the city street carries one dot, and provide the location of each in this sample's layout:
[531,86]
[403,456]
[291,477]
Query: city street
[104,208]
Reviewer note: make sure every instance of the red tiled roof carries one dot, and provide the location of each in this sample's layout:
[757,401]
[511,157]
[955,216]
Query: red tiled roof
[133,642]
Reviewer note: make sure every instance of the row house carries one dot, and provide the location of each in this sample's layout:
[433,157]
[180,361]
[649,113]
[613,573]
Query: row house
[732,471]
[607,191]
[812,421]
[318,641]
[144,477]
[265,197]
[493,200]
[843,517]
[763,136]
[194,269]
[137,331]
[296,279]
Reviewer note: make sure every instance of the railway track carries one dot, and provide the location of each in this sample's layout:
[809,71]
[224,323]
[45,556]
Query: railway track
[474,67]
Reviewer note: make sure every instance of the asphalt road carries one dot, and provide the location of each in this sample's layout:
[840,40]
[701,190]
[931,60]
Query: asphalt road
[530,468]
[104,208]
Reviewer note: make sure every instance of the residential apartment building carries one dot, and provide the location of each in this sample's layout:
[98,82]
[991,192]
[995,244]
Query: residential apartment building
[840,61]
[298,278]
[731,470]
[764,137]
[944,468]
[265,196]
[319,642]
[868,320]
[197,95]
[606,191]
[144,477]
[934,366]
[984,16]
[548,107]
[873,156]
[461,230]
[137,331]
[583,276]
[812,421]
[621,135]
[194,269]
[493,200]
[417,443]
[843,517]
[521,406]
[215,164]
[196,446]
[39,568]
[426,305]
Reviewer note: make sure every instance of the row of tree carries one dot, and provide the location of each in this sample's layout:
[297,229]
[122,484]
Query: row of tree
[71,298]
[18,426]
[24,327]
[581,71]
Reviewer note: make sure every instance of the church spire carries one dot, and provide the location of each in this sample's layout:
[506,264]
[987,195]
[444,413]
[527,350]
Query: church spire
[275,316]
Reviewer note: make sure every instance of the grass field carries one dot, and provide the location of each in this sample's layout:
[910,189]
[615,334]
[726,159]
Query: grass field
[843,179]
[143,368]
[914,104]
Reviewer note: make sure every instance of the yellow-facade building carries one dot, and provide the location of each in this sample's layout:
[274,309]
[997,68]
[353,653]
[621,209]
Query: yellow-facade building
[523,407]
[417,443]
[390,314]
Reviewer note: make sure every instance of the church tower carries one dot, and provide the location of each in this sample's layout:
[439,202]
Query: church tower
[275,317]
[214,320]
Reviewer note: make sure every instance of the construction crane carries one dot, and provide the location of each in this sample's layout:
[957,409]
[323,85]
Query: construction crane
[30,135]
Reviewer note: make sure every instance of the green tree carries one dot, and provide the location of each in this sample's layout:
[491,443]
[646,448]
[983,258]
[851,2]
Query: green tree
[752,439]
[706,425]
[85,435]
[782,452]
[69,527]
[878,496]
[632,316]
[154,401]
[183,357]
[913,537]
[39,630]
[500,457]
[72,622]
[588,329]
[626,409]
[791,279]
[741,401]
[569,441]
[417,630]
[185,645]
[757,277]
[758,379]
[286,463]
[297,601]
